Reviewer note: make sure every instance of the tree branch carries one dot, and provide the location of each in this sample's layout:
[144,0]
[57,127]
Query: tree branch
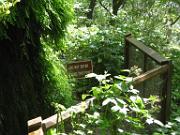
[116,5]
[105,7]
[175,20]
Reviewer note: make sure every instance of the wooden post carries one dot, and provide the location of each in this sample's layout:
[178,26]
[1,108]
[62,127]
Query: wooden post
[145,63]
[35,126]
[126,51]
[166,93]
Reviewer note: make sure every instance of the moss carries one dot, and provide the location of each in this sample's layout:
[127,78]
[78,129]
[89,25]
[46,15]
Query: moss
[31,75]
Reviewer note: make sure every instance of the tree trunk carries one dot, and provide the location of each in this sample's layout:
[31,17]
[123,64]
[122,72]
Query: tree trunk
[91,9]
[116,5]
[20,80]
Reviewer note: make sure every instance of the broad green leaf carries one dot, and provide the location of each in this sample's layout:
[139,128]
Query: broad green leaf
[150,121]
[121,101]
[158,123]
[115,108]
[177,119]
[124,110]
[90,75]
[108,100]
[84,96]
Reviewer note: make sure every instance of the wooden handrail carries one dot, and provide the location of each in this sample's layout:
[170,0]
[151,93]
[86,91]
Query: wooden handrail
[35,127]
[50,122]
[150,74]
[148,51]
[34,124]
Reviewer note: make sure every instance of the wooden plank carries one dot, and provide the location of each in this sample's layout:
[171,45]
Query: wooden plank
[150,52]
[52,121]
[150,74]
[34,124]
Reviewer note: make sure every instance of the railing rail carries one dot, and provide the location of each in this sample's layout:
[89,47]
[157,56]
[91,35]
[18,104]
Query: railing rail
[146,50]
[150,74]
[38,126]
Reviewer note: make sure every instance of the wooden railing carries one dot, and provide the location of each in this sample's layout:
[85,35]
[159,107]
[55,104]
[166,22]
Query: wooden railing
[159,66]
[38,126]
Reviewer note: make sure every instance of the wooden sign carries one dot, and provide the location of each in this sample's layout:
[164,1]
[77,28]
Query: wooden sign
[80,68]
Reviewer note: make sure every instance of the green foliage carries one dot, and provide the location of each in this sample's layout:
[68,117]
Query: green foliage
[116,109]
[171,128]
[55,78]
[155,22]
[96,43]
[96,39]
[5,6]
[59,108]
[43,23]
[51,16]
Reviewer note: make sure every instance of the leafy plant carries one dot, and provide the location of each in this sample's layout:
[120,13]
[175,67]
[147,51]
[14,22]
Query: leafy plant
[171,128]
[56,79]
[96,43]
[116,109]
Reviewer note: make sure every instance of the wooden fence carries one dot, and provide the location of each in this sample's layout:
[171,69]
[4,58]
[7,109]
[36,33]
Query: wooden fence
[155,69]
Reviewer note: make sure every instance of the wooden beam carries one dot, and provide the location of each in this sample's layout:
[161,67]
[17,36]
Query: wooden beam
[126,52]
[52,121]
[147,50]
[37,132]
[150,74]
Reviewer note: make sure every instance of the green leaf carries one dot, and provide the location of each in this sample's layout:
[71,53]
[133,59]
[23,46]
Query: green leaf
[120,77]
[115,108]
[158,123]
[108,100]
[150,121]
[90,75]
[96,91]
[84,96]
[125,70]
[177,119]
[121,101]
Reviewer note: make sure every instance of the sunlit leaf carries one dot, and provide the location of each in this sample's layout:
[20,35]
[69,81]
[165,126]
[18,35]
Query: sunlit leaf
[115,108]
[158,123]
[177,119]
[108,100]
[91,75]
[150,121]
